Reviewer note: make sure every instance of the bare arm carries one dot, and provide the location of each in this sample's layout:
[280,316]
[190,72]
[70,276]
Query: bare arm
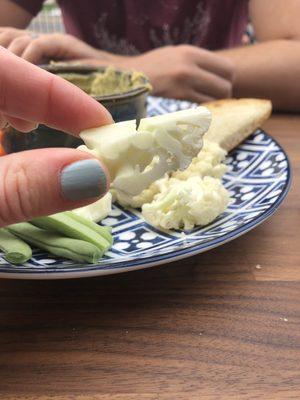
[270,68]
[13,15]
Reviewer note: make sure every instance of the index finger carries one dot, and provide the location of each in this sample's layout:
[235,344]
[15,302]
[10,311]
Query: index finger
[30,93]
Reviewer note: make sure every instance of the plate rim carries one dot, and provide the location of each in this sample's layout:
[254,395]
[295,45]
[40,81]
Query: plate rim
[172,256]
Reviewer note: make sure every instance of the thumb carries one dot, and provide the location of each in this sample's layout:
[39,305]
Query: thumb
[41,182]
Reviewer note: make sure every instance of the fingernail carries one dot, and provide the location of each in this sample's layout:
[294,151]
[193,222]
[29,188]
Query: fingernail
[83,180]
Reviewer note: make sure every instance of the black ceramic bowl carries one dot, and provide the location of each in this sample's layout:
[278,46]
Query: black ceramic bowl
[122,106]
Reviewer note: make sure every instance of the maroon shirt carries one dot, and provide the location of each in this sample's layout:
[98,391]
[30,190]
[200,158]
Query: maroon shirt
[135,26]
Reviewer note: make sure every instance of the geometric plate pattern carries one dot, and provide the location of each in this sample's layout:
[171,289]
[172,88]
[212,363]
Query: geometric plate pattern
[258,180]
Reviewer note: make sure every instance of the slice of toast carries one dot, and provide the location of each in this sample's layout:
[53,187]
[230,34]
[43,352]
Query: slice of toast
[233,120]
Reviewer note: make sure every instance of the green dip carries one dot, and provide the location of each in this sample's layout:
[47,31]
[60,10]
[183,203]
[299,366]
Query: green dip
[108,82]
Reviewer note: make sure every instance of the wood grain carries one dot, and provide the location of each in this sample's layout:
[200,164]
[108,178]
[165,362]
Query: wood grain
[210,327]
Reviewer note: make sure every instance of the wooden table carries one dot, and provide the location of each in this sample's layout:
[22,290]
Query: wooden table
[221,325]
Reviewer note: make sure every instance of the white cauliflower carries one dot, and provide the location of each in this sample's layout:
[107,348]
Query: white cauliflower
[184,204]
[136,157]
[207,163]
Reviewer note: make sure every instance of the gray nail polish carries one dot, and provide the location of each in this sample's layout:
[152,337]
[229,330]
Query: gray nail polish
[83,180]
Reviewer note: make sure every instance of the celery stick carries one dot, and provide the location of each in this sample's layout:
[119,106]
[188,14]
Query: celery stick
[104,231]
[77,250]
[15,250]
[68,226]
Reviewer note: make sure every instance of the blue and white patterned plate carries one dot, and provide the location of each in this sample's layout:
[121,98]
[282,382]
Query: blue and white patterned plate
[258,180]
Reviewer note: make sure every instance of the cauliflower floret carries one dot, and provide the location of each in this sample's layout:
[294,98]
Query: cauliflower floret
[136,157]
[184,204]
[207,163]
[146,196]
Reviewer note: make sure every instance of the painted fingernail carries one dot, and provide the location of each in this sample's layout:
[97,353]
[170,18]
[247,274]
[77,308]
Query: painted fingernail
[83,180]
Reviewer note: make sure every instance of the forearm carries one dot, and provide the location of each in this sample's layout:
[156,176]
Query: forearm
[268,70]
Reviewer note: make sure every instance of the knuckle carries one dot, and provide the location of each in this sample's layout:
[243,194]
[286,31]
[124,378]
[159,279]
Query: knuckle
[229,68]
[38,41]
[7,35]
[11,33]
[187,50]
[36,44]
[55,36]
[226,89]
[185,47]
[19,40]
[181,73]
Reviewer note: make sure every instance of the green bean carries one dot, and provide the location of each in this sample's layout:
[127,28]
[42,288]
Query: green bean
[15,250]
[68,226]
[73,249]
[104,231]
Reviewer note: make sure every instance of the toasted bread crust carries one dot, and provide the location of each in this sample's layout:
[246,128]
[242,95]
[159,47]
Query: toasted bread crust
[233,120]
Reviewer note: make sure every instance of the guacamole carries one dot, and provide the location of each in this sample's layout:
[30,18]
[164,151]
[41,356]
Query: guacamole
[108,82]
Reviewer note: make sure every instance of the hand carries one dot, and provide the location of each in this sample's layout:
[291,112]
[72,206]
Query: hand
[8,35]
[185,72]
[40,182]
[40,49]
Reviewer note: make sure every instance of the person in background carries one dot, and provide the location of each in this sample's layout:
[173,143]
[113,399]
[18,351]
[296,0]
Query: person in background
[190,49]
[41,182]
